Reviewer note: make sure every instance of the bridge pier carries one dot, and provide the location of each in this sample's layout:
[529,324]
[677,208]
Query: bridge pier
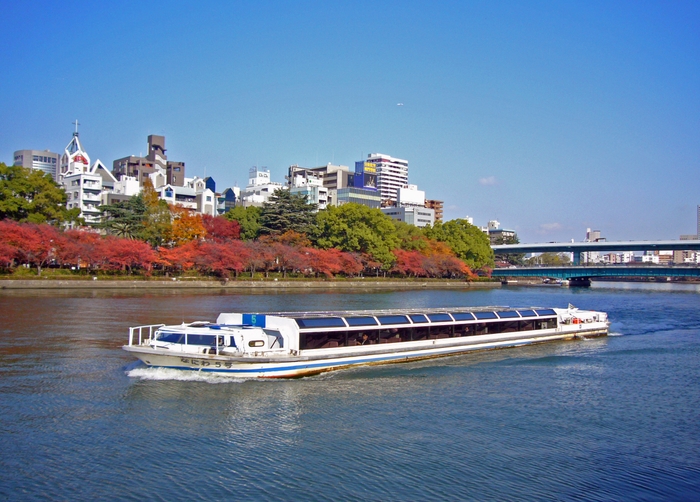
[577,258]
[579,282]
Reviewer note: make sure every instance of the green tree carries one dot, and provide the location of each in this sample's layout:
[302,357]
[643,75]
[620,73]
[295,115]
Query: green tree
[125,218]
[144,217]
[512,258]
[550,259]
[411,237]
[30,195]
[357,228]
[157,217]
[468,242]
[287,211]
[249,220]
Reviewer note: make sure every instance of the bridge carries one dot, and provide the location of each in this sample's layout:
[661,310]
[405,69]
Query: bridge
[582,275]
[601,246]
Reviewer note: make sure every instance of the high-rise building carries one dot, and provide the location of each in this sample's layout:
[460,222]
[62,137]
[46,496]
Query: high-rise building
[132,166]
[155,165]
[435,205]
[390,174]
[40,160]
[698,228]
[156,152]
[341,183]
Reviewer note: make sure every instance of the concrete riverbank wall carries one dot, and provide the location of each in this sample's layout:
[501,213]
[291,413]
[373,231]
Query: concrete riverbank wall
[240,285]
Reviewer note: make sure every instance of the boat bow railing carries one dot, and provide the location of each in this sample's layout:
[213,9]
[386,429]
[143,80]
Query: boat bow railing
[140,331]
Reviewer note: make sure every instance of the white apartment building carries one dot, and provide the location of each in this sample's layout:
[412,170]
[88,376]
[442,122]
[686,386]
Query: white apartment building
[82,183]
[39,160]
[413,215]
[392,174]
[617,258]
[259,188]
[410,196]
[310,184]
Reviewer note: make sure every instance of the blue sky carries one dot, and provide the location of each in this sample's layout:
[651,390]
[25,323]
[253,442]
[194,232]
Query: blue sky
[548,116]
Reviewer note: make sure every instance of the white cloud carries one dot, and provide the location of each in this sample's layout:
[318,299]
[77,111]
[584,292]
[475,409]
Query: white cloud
[491,180]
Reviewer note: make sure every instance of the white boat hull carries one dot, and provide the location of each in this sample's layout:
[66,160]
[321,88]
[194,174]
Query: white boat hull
[310,362]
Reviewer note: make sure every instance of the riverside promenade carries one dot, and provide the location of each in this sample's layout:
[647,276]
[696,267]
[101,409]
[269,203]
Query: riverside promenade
[177,284]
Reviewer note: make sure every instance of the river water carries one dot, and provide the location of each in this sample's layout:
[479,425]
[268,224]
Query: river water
[604,419]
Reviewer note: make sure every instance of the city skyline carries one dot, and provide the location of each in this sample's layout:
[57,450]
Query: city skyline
[549,118]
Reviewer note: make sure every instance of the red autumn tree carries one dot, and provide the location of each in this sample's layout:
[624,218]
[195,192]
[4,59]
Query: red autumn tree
[7,255]
[350,264]
[287,258]
[261,256]
[370,264]
[322,261]
[8,239]
[34,244]
[179,258]
[222,259]
[221,229]
[288,238]
[77,248]
[127,254]
[409,263]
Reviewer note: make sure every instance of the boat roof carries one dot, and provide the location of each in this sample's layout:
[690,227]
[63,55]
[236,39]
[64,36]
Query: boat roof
[400,311]
[397,317]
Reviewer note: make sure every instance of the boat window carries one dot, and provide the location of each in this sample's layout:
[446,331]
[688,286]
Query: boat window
[392,319]
[482,328]
[545,312]
[275,338]
[164,336]
[358,337]
[527,325]
[485,315]
[462,316]
[464,329]
[418,318]
[394,335]
[320,322]
[508,327]
[439,317]
[546,323]
[421,333]
[201,340]
[508,314]
[361,321]
[323,340]
[527,313]
[437,332]
[256,343]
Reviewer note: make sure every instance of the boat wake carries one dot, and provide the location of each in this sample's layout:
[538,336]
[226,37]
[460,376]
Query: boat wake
[146,373]
[615,334]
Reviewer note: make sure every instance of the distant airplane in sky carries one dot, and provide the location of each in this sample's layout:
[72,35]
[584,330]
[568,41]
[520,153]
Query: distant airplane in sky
[399,104]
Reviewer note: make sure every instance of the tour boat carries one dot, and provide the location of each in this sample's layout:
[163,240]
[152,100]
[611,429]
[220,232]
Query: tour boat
[295,344]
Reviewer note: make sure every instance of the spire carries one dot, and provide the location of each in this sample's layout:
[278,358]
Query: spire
[75,159]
